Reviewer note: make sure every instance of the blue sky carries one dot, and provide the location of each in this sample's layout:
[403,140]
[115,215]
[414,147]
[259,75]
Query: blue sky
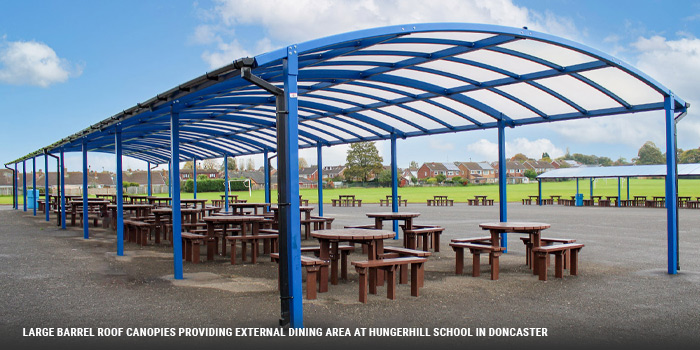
[65,65]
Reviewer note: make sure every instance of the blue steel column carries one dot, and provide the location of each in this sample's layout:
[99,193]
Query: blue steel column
[170,179]
[194,175]
[63,191]
[86,226]
[120,191]
[175,179]
[24,184]
[226,184]
[628,188]
[591,190]
[16,182]
[394,185]
[288,189]
[576,199]
[267,179]
[502,179]
[671,187]
[47,207]
[319,155]
[619,197]
[34,183]
[539,191]
[149,191]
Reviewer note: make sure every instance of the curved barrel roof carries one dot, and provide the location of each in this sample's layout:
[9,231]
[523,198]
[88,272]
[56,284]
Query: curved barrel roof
[367,85]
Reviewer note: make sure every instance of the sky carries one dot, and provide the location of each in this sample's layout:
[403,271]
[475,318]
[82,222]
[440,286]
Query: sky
[65,65]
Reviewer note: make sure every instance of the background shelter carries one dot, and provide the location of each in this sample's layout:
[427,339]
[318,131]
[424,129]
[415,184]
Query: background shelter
[378,84]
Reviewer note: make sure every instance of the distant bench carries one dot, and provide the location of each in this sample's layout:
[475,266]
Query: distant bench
[346,201]
[388,201]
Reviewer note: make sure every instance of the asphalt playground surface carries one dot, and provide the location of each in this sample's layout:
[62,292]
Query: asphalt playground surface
[622,297]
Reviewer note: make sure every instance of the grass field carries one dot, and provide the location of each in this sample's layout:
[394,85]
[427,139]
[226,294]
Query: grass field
[603,187]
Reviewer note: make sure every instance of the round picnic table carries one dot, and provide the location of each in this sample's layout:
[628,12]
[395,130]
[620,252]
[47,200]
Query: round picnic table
[329,240]
[406,217]
[224,220]
[531,228]
[202,202]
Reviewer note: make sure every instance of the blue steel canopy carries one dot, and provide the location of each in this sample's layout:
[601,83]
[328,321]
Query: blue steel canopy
[684,170]
[371,84]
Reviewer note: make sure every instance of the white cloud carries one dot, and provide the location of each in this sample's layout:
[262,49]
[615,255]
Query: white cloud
[484,149]
[289,22]
[33,63]
[675,64]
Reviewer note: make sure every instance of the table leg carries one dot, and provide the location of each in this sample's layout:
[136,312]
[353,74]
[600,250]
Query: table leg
[334,263]
[378,223]
[324,255]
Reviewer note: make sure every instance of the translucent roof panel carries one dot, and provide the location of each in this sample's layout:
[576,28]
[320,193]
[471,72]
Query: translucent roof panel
[373,84]
[619,171]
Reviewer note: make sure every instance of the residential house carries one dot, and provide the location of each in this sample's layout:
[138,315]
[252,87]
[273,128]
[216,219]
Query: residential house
[565,163]
[309,173]
[333,171]
[186,174]
[538,166]
[477,172]
[433,169]
[514,172]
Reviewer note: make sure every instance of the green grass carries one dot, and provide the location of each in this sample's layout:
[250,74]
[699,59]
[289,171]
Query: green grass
[603,187]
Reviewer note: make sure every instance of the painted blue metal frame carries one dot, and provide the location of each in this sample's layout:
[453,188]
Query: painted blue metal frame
[319,164]
[175,180]
[86,222]
[120,191]
[24,184]
[47,205]
[394,186]
[502,180]
[34,196]
[194,176]
[63,190]
[16,189]
[671,187]
[266,160]
[226,183]
[149,181]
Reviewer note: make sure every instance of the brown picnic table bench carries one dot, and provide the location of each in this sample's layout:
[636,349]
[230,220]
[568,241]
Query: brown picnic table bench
[440,201]
[346,200]
[388,201]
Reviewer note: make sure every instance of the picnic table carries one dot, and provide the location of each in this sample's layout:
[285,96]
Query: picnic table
[533,229]
[93,205]
[194,202]
[440,201]
[329,240]
[683,201]
[110,197]
[406,217]
[159,201]
[640,201]
[389,199]
[238,207]
[480,200]
[657,202]
[224,220]
[140,210]
[138,199]
[189,217]
[346,200]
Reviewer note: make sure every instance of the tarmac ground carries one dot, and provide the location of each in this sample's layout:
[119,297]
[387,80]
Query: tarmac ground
[53,280]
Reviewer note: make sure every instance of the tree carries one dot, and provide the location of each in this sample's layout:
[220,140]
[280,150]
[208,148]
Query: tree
[621,161]
[545,155]
[188,165]
[650,154]
[413,165]
[362,160]
[231,164]
[414,179]
[440,178]
[690,156]
[384,177]
[530,174]
[519,158]
[303,163]
[457,180]
[210,164]
[250,164]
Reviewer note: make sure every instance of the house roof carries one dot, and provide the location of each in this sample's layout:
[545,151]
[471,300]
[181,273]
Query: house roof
[308,171]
